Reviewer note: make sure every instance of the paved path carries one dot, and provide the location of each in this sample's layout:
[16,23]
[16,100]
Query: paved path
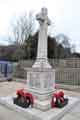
[6,114]
[9,88]
[74,114]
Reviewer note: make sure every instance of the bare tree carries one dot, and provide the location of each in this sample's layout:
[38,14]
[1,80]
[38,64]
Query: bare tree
[22,28]
[73,48]
[64,40]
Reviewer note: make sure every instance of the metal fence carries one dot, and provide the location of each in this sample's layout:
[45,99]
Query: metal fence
[67,71]
[69,76]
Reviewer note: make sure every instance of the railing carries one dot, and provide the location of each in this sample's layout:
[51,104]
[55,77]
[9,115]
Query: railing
[69,63]
[67,71]
[69,76]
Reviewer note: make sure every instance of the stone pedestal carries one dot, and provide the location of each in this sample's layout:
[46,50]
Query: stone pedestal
[40,82]
[41,63]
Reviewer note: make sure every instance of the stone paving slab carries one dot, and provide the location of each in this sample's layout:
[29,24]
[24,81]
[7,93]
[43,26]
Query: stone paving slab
[74,113]
[36,114]
[6,114]
[9,88]
[70,117]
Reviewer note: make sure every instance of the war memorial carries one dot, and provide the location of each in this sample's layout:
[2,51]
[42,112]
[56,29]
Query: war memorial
[37,101]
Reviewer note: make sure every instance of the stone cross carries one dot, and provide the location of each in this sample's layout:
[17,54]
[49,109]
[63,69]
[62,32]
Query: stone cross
[42,40]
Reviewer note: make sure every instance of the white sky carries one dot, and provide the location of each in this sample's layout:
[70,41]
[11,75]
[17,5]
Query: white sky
[65,14]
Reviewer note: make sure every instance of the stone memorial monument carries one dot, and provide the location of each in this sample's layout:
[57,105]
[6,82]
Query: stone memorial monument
[40,84]
[41,77]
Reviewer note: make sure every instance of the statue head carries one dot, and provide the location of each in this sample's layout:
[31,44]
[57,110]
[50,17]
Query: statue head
[43,16]
[44,11]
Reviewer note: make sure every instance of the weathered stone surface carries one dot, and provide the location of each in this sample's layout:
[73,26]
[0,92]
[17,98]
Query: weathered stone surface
[41,82]
[35,114]
[41,77]
[44,21]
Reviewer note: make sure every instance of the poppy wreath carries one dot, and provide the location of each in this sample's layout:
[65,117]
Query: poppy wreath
[58,100]
[23,99]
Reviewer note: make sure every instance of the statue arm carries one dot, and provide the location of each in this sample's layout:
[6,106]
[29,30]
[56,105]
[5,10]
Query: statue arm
[40,17]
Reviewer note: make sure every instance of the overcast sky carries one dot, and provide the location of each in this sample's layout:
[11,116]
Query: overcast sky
[65,14]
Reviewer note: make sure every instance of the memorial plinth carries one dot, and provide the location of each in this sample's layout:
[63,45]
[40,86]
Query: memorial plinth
[41,77]
[41,82]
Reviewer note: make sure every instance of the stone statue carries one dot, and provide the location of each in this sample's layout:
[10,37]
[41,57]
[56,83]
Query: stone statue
[42,17]
[44,21]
